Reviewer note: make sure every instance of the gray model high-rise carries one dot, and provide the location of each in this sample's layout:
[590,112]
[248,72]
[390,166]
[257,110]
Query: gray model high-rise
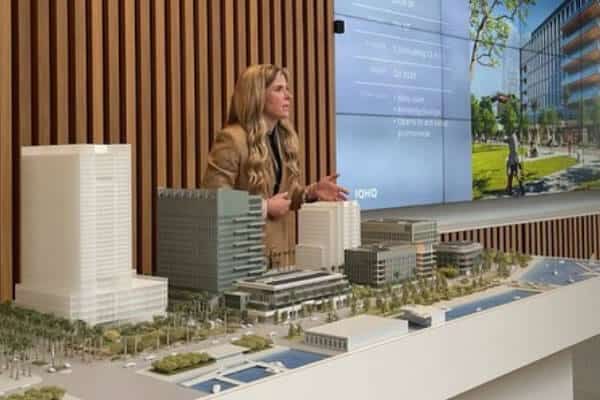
[379,265]
[422,234]
[207,239]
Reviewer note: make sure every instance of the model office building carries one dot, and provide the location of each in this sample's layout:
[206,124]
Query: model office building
[325,230]
[379,264]
[76,236]
[463,254]
[290,289]
[422,234]
[208,239]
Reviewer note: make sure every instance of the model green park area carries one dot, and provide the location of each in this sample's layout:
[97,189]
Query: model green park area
[43,393]
[489,168]
[181,362]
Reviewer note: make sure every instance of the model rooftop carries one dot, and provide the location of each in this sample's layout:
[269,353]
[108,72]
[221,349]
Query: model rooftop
[399,221]
[359,326]
[458,244]
[379,247]
[282,278]
[69,149]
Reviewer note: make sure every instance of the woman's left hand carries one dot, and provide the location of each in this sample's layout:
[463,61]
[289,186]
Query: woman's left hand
[328,190]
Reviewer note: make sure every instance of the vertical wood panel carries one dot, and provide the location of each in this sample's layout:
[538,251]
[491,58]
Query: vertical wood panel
[265,32]
[111,60]
[173,94]
[538,238]
[96,72]
[587,239]
[581,237]
[60,76]
[129,108]
[188,109]
[41,64]
[554,238]
[6,148]
[276,33]
[240,36]
[215,76]
[252,51]
[560,238]
[311,106]
[577,236]
[159,94]
[596,236]
[23,73]
[144,96]
[202,103]
[568,237]
[299,82]
[543,227]
[513,238]
[229,54]
[322,84]
[527,241]
[78,93]
[330,104]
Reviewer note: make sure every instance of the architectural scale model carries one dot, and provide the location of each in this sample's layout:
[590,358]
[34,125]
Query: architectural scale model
[76,236]
[463,254]
[379,264]
[325,230]
[208,239]
[422,234]
[353,333]
[288,291]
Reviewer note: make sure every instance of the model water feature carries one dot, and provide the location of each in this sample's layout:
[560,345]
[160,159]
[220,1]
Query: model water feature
[253,370]
[487,303]
[559,272]
[293,358]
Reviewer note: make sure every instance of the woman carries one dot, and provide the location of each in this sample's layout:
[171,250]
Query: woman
[257,151]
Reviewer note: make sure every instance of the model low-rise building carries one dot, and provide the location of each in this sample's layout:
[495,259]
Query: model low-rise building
[287,291]
[353,333]
[422,234]
[424,315]
[462,254]
[380,265]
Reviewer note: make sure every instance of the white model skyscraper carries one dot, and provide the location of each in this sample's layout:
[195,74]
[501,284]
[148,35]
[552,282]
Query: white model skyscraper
[76,258]
[325,230]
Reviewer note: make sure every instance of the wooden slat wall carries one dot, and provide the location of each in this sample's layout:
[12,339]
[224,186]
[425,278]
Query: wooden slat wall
[6,150]
[157,74]
[576,237]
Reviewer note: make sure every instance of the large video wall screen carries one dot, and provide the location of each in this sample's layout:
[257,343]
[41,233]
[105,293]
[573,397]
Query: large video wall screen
[432,96]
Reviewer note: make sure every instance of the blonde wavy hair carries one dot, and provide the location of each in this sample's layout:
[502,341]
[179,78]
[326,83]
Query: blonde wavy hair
[246,109]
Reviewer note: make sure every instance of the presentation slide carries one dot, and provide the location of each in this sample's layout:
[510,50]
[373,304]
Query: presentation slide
[455,100]
[402,102]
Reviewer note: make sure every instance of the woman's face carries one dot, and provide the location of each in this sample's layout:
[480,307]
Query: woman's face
[277,99]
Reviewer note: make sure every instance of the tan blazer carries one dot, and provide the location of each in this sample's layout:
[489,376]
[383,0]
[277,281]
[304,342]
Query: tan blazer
[227,169]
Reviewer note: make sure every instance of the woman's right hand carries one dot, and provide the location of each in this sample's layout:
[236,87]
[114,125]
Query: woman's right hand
[278,206]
